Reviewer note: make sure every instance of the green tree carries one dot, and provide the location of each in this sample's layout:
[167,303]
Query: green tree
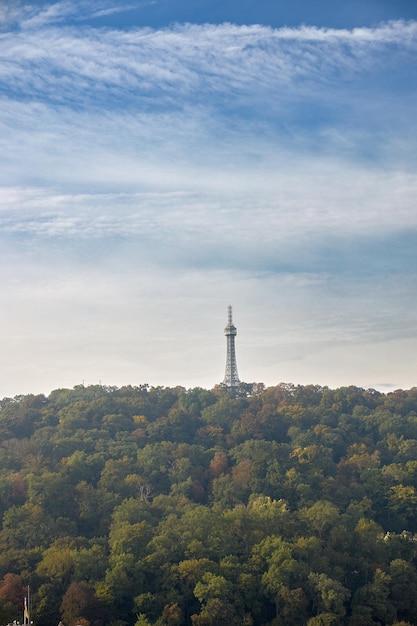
[372,602]
[283,579]
[28,526]
[320,517]
[403,587]
[330,595]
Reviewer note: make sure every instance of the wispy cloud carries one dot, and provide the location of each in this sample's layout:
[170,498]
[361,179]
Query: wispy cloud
[316,228]
[29,16]
[65,64]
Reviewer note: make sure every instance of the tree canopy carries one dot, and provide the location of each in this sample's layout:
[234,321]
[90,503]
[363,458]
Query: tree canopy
[166,506]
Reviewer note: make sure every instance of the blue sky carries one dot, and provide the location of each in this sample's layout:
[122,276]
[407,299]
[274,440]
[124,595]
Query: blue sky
[161,160]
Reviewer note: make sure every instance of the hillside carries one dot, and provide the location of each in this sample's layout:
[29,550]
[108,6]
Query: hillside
[288,505]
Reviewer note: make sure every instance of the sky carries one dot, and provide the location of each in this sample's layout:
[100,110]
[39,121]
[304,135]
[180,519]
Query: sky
[162,159]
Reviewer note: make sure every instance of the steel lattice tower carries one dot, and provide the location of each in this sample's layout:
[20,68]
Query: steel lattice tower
[231,377]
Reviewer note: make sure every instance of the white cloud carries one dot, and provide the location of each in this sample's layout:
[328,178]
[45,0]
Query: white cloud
[189,59]
[239,208]
[29,16]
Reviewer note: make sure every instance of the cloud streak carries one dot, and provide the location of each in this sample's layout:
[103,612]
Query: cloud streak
[189,60]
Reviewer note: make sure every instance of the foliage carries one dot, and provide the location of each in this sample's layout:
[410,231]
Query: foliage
[171,507]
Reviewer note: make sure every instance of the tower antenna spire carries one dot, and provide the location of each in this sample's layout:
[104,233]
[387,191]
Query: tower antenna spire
[231,377]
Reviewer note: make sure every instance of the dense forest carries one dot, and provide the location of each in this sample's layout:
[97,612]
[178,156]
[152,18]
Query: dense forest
[288,506]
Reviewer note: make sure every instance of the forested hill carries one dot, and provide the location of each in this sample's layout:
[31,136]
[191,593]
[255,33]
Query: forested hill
[288,505]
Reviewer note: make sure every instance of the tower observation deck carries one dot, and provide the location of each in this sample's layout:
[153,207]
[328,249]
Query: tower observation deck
[231,377]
